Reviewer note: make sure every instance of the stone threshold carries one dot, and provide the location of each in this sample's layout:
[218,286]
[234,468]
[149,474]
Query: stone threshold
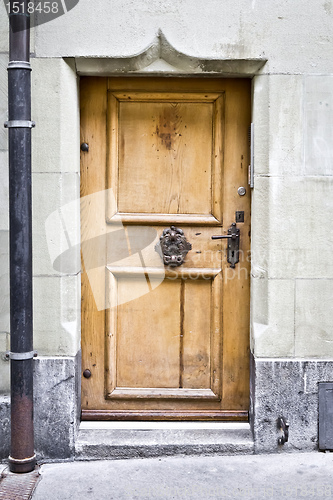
[121,440]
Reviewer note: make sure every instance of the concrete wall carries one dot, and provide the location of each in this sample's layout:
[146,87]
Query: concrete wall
[292,203]
[292,223]
[56,183]
[292,35]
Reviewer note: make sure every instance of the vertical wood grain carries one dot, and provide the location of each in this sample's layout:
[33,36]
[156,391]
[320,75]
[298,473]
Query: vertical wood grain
[93,132]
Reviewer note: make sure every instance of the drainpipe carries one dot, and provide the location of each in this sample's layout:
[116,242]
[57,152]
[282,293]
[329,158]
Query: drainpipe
[22,456]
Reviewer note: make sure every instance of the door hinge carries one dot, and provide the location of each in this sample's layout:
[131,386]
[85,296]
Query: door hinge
[251,166]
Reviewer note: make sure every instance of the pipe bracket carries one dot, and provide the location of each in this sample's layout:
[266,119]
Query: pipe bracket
[20,356]
[19,65]
[19,124]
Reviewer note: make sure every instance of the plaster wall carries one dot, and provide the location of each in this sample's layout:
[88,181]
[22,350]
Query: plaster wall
[292,35]
[56,191]
[292,201]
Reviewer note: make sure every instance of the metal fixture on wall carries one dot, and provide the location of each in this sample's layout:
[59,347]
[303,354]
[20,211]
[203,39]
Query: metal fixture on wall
[283,425]
[325,428]
[22,456]
[251,166]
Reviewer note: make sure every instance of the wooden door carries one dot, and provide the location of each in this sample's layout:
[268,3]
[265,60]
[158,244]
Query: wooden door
[161,342]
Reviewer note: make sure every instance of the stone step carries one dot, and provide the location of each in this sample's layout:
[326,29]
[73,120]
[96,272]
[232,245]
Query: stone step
[119,440]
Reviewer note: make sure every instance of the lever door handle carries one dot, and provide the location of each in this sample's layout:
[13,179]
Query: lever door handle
[222,236]
[233,238]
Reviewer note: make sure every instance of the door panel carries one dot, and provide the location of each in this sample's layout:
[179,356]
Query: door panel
[167,148]
[163,345]
[164,342]
[156,138]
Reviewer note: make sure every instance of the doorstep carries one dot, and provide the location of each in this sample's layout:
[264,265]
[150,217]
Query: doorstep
[119,440]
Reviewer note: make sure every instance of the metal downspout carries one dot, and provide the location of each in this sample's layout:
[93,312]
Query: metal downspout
[22,456]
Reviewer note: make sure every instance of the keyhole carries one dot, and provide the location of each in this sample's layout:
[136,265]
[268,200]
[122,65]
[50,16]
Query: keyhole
[233,253]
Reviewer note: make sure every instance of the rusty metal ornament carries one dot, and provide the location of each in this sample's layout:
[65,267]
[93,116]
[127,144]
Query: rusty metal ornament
[173,247]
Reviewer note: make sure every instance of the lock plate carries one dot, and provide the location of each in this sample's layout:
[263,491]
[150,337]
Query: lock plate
[233,245]
[233,237]
[239,216]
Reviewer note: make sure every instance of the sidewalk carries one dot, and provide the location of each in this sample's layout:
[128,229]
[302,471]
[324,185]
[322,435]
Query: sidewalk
[298,475]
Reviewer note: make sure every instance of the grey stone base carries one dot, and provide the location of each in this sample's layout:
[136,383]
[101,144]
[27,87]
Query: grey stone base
[113,444]
[286,388]
[56,409]
[4,426]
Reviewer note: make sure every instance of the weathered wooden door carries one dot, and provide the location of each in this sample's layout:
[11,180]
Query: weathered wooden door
[161,342]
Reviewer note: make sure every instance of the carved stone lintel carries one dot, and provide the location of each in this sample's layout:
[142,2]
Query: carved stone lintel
[173,247]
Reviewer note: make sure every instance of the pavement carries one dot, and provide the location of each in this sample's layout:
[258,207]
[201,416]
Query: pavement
[278,476]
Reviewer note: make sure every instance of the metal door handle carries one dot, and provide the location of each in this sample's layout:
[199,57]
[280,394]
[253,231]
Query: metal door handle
[221,237]
[233,237]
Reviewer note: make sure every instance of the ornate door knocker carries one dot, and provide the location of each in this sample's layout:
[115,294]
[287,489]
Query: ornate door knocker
[173,247]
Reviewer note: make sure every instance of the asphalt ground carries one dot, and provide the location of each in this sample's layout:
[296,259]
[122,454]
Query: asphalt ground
[278,476]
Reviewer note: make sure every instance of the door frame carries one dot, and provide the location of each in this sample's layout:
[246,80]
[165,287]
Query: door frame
[162,59]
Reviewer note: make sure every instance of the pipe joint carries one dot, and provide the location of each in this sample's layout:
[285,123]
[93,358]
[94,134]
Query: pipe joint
[22,465]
